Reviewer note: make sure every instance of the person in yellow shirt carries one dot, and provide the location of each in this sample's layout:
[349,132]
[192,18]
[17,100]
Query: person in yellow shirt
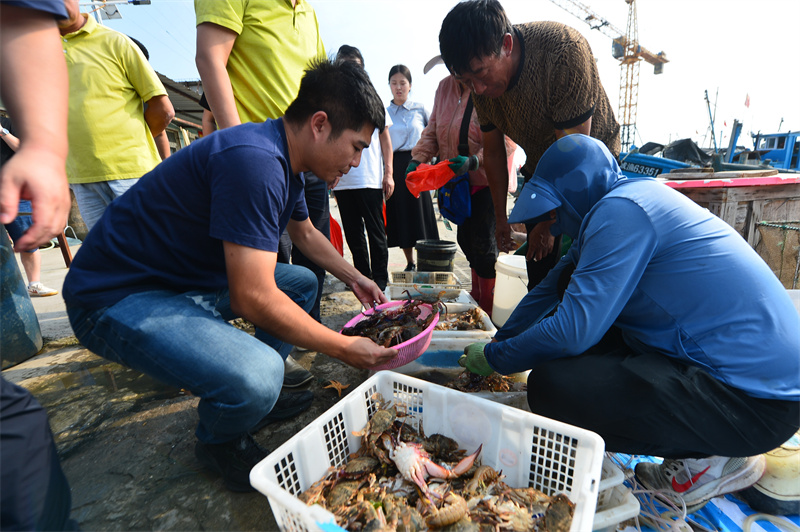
[110,131]
[251,55]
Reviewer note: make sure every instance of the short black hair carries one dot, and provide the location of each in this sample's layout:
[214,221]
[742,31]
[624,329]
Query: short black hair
[472,30]
[141,47]
[400,69]
[347,52]
[341,89]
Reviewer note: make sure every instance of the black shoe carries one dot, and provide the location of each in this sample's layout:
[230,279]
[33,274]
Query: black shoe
[294,374]
[232,460]
[410,267]
[289,404]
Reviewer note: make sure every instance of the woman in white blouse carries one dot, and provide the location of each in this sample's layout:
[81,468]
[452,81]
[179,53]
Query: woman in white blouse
[408,219]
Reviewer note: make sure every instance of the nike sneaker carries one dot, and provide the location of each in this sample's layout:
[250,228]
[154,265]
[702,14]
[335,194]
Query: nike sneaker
[698,480]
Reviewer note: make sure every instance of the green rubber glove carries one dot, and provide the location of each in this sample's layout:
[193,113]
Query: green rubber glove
[475,361]
[412,165]
[461,165]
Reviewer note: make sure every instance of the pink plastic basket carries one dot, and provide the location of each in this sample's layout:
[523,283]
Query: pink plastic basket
[410,349]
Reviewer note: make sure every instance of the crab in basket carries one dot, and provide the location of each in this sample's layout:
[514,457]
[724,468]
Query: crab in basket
[393,323]
[401,479]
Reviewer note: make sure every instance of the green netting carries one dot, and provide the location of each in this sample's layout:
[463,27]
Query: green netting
[780,249]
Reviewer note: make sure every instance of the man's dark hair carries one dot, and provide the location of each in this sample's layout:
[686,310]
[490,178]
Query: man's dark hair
[343,90]
[141,47]
[400,69]
[471,30]
[349,53]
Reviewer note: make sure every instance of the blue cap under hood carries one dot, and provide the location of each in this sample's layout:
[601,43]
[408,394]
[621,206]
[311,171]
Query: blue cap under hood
[571,177]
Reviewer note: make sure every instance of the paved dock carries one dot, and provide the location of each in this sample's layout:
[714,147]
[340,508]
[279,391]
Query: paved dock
[126,441]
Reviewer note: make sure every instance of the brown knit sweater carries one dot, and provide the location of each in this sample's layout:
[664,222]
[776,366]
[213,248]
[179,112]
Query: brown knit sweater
[556,87]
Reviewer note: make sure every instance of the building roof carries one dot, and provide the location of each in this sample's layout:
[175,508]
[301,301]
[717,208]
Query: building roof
[185,99]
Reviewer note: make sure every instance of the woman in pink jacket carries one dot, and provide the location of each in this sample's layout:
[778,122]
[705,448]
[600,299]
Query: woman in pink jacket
[441,138]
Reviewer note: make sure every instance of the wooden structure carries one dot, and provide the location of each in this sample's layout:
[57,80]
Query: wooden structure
[744,200]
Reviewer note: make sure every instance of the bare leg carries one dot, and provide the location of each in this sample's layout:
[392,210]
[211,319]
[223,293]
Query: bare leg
[32,263]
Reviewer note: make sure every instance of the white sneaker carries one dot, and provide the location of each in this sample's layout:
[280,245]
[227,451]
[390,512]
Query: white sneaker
[698,480]
[39,290]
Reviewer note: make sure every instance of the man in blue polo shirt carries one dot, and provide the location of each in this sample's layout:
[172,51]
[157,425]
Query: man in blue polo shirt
[195,243]
[670,337]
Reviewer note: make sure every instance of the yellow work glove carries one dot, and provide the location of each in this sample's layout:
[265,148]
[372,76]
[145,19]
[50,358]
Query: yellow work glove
[475,361]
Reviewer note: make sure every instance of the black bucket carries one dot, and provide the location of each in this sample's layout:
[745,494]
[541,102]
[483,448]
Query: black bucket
[435,255]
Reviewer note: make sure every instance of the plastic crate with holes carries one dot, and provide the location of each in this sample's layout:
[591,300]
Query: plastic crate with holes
[444,285]
[530,450]
[615,502]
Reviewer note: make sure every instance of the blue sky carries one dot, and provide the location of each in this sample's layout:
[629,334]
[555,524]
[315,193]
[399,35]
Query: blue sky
[735,47]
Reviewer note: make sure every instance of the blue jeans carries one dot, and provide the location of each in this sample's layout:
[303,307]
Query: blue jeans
[183,339]
[21,223]
[93,198]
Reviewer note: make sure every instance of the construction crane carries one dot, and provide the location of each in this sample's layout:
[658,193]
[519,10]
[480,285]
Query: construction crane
[625,47]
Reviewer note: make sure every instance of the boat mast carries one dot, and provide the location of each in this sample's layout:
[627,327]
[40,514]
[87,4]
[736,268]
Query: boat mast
[711,118]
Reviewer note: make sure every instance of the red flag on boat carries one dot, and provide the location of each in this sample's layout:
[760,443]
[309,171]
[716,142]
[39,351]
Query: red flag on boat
[747,101]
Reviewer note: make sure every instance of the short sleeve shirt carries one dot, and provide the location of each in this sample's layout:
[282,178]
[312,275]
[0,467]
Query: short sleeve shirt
[109,81]
[556,87]
[408,121]
[275,43]
[167,231]
[55,7]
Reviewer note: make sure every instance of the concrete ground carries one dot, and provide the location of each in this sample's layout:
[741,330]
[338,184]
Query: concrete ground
[126,442]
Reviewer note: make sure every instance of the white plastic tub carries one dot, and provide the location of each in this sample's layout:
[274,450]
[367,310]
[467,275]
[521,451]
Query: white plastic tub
[486,333]
[794,295]
[439,365]
[532,451]
[510,287]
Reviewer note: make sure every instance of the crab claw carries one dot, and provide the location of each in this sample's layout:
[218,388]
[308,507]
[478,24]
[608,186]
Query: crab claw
[435,470]
[466,462]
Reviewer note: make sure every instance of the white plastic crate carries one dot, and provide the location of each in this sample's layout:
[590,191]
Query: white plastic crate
[476,335]
[615,502]
[611,476]
[450,295]
[441,284]
[431,278]
[531,450]
[619,505]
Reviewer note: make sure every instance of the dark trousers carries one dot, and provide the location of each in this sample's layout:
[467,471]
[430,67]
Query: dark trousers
[319,212]
[648,403]
[360,209]
[34,493]
[476,235]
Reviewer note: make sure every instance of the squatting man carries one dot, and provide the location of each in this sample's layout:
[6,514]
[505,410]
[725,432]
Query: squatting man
[670,335]
[194,244]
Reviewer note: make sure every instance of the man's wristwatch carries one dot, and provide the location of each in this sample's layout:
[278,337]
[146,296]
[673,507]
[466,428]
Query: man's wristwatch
[4,132]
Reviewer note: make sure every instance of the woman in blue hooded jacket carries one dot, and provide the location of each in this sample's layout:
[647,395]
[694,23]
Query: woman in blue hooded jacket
[671,337]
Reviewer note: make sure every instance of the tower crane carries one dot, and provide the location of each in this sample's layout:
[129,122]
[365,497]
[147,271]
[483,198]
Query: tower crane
[625,47]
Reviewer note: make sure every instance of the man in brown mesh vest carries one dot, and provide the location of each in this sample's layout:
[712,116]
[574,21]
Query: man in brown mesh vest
[534,82]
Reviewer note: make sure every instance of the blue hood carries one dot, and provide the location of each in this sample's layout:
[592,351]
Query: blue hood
[572,176]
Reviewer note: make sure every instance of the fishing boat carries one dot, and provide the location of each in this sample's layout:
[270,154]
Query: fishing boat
[653,159]
[770,150]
